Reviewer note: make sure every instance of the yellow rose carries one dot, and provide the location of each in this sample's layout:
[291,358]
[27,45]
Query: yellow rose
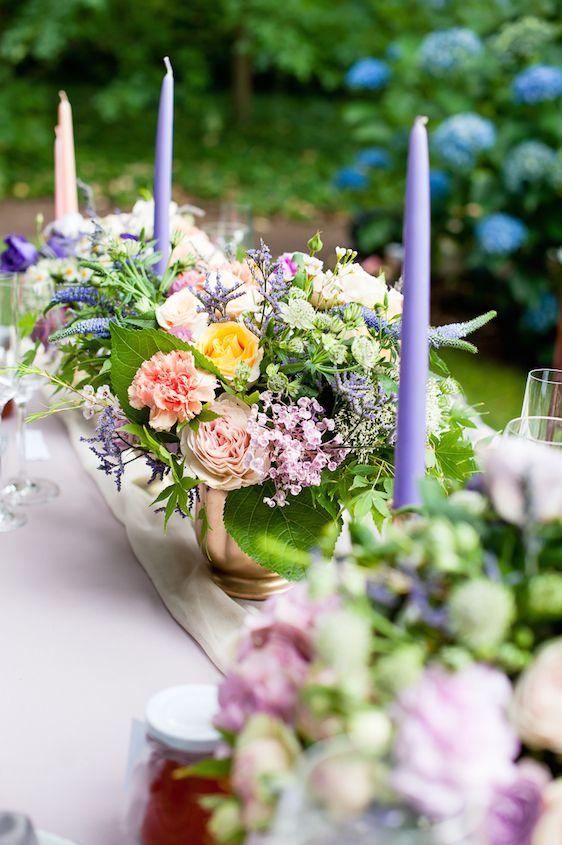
[229,344]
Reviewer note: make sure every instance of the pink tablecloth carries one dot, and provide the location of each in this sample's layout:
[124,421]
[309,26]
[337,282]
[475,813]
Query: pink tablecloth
[84,642]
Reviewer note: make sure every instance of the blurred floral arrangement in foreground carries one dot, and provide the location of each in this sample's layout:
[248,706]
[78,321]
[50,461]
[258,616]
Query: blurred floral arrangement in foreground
[436,651]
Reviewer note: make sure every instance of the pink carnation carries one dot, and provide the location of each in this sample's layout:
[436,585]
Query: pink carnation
[194,279]
[172,387]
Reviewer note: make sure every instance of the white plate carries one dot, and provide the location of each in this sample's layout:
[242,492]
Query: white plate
[52,839]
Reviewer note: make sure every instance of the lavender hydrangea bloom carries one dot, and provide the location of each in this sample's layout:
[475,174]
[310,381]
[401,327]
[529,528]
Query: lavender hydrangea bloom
[350,179]
[18,256]
[528,163]
[537,84]
[501,234]
[368,73]
[460,138]
[449,50]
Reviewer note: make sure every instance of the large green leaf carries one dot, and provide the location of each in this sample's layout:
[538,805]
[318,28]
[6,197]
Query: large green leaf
[277,538]
[130,347]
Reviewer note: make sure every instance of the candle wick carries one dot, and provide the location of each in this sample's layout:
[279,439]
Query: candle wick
[62,95]
[168,66]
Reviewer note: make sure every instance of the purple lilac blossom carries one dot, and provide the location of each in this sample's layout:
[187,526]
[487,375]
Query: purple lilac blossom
[292,436]
[18,256]
[454,743]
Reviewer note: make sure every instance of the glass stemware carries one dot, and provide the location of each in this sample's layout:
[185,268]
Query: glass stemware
[543,394]
[232,232]
[30,298]
[545,430]
[8,345]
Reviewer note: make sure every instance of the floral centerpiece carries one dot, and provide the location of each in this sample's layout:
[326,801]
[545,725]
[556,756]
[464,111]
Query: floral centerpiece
[435,650]
[271,382]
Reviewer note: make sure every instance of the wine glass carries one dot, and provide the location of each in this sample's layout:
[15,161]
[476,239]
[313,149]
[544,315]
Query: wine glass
[30,298]
[232,232]
[544,430]
[317,807]
[543,394]
[8,360]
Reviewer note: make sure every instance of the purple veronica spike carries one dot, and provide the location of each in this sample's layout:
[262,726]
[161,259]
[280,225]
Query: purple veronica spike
[86,294]
[98,326]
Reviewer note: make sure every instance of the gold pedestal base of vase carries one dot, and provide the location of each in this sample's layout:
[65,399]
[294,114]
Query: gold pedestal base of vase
[232,569]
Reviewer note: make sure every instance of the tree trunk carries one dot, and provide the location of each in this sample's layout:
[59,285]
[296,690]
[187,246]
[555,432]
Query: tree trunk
[241,78]
[558,348]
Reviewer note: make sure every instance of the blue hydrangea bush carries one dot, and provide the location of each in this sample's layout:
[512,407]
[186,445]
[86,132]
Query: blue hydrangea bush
[490,81]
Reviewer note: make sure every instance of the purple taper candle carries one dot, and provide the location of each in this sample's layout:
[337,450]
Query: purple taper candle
[409,455]
[163,169]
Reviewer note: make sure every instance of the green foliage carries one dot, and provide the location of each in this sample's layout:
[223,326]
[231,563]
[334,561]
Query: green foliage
[276,537]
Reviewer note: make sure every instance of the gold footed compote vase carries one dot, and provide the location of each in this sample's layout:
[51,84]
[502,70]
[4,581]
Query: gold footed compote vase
[232,569]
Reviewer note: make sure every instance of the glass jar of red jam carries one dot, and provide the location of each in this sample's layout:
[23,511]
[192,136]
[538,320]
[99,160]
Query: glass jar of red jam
[180,732]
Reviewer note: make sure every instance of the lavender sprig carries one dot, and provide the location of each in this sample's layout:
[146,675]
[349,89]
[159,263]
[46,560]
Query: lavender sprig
[358,392]
[215,298]
[108,445]
[271,284]
[158,469]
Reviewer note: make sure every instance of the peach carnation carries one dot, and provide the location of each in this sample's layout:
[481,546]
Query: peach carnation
[172,387]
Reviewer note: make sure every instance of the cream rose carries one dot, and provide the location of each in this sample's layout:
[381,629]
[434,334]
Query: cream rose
[548,829]
[356,285]
[537,702]
[216,452]
[180,311]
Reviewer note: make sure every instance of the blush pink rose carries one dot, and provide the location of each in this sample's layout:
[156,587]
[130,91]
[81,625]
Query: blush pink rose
[216,452]
[193,278]
[537,704]
[172,387]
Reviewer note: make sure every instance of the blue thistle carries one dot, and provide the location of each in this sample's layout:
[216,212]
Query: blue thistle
[537,84]
[501,234]
[368,73]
